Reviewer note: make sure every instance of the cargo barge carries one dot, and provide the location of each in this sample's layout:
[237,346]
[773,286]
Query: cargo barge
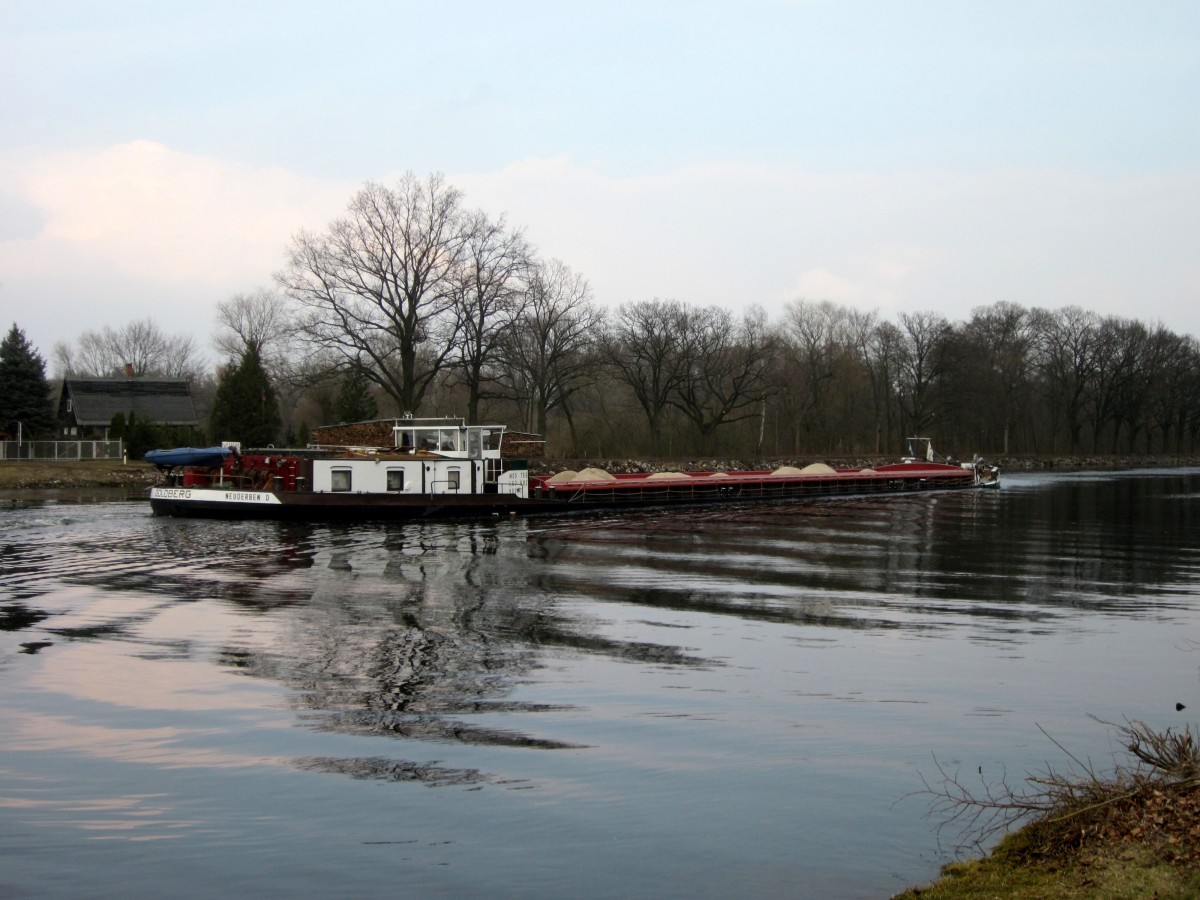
[444,468]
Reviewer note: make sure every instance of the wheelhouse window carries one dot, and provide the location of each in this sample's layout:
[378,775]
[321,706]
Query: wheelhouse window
[395,479]
[452,478]
[339,480]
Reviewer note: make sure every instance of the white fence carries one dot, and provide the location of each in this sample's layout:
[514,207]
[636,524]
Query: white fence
[61,451]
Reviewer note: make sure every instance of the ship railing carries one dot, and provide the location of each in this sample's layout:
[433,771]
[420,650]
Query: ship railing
[449,487]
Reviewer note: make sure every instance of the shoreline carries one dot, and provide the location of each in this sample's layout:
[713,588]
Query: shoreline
[22,475]
[38,475]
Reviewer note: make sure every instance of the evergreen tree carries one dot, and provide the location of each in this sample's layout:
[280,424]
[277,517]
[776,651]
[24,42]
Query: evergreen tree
[355,402]
[24,391]
[245,408]
[116,427]
[141,436]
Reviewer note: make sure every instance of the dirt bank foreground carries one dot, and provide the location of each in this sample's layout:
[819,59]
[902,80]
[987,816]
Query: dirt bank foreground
[15,476]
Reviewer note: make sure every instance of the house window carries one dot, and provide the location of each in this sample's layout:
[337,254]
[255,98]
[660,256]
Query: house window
[69,402]
[395,479]
[339,480]
[452,479]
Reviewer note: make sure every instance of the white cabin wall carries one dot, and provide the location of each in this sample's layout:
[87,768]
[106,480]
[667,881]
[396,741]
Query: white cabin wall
[367,476]
[437,476]
[421,476]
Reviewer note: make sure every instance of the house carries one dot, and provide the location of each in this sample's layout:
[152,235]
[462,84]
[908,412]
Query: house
[86,406]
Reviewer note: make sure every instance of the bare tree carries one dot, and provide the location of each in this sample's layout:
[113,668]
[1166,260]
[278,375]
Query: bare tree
[922,362]
[141,345]
[1118,384]
[727,369]
[260,320]
[820,344]
[883,353]
[1003,336]
[1066,356]
[860,326]
[548,354]
[488,298]
[1172,392]
[378,288]
[645,347]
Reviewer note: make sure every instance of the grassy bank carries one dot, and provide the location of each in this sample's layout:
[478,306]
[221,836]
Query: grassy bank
[29,475]
[1132,833]
[1122,872]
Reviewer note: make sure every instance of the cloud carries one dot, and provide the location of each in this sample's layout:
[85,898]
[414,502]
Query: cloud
[147,211]
[826,285]
[19,219]
[103,237]
[106,236]
[921,239]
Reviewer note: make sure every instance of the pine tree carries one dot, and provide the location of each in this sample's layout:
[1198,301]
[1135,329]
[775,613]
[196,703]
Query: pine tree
[245,408]
[24,391]
[140,436]
[355,403]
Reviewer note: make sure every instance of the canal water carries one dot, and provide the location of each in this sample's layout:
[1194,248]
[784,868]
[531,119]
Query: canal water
[717,703]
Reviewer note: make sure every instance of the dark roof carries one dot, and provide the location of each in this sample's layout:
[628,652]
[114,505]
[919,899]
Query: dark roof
[164,401]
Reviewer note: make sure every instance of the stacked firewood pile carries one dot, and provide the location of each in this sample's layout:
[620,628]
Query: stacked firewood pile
[355,434]
[522,445]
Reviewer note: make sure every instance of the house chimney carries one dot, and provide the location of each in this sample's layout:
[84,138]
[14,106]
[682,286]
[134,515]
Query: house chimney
[128,370]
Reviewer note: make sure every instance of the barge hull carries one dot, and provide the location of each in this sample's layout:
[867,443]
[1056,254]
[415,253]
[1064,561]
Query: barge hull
[564,500]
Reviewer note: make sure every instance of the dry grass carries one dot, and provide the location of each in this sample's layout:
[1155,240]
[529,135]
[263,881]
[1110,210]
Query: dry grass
[1131,872]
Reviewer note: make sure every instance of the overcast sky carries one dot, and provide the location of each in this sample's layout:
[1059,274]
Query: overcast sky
[156,157]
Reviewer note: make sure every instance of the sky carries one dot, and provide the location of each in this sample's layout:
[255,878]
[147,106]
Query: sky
[157,157]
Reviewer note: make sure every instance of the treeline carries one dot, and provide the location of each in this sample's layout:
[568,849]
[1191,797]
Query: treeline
[411,303]
[663,378]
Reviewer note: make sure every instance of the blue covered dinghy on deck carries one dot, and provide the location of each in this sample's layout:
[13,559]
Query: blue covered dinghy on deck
[188,456]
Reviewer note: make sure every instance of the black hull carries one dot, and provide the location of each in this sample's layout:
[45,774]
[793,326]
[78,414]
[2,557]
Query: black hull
[338,507]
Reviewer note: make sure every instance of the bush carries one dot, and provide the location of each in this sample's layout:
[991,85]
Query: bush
[1153,798]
